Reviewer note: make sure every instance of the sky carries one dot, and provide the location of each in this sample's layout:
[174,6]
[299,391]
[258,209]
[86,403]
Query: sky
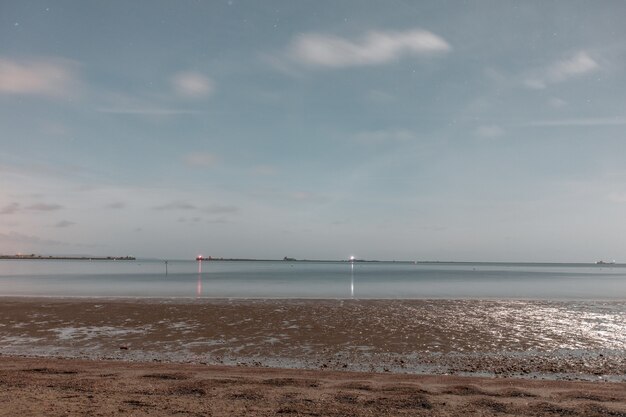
[430,130]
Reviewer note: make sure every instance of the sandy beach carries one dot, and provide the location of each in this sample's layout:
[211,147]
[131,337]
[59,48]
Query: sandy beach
[55,387]
[311,357]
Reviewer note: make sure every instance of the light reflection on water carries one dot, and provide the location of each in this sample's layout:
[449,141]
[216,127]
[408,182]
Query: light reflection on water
[281,279]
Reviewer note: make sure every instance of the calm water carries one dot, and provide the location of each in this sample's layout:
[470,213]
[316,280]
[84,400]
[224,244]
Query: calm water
[279,279]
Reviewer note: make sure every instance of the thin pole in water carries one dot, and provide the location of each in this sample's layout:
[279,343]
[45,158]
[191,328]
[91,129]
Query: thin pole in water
[165,268]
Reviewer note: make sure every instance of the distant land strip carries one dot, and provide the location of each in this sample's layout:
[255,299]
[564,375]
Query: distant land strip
[69,258]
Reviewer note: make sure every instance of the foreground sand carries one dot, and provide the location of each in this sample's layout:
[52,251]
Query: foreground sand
[60,387]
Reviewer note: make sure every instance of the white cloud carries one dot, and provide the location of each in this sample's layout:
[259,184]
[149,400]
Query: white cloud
[375,47]
[575,66]
[192,85]
[51,77]
[489,131]
[200,159]
[579,64]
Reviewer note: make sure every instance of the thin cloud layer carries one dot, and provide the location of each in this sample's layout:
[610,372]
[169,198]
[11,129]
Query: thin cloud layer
[192,85]
[44,207]
[374,48]
[385,135]
[176,205]
[15,238]
[147,111]
[13,208]
[579,64]
[116,205]
[200,160]
[45,77]
[489,131]
[607,121]
[64,223]
[575,66]
[210,209]
[220,209]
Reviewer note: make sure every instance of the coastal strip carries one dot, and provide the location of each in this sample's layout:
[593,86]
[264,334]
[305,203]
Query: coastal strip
[33,257]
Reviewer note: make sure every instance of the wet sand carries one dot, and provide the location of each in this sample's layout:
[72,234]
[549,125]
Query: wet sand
[413,357]
[534,339]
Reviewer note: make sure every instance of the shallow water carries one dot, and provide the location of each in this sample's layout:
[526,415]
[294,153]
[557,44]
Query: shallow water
[335,280]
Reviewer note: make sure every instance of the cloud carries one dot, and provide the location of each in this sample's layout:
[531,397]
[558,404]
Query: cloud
[193,85]
[190,220]
[44,207]
[212,209]
[265,170]
[380,96]
[305,196]
[11,208]
[116,205]
[557,103]
[64,223]
[374,48]
[177,205]
[385,135]
[200,159]
[489,131]
[220,209]
[147,111]
[51,77]
[18,238]
[616,197]
[606,121]
[535,83]
[579,64]
[575,66]
[152,105]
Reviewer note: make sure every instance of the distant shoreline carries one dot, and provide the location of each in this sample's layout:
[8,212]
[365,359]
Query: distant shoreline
[68,258]
[355,261]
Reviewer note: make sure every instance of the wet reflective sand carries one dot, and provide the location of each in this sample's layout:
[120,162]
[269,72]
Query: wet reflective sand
[545,339]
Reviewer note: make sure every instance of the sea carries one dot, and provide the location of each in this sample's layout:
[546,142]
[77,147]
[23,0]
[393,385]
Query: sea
[312,280]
